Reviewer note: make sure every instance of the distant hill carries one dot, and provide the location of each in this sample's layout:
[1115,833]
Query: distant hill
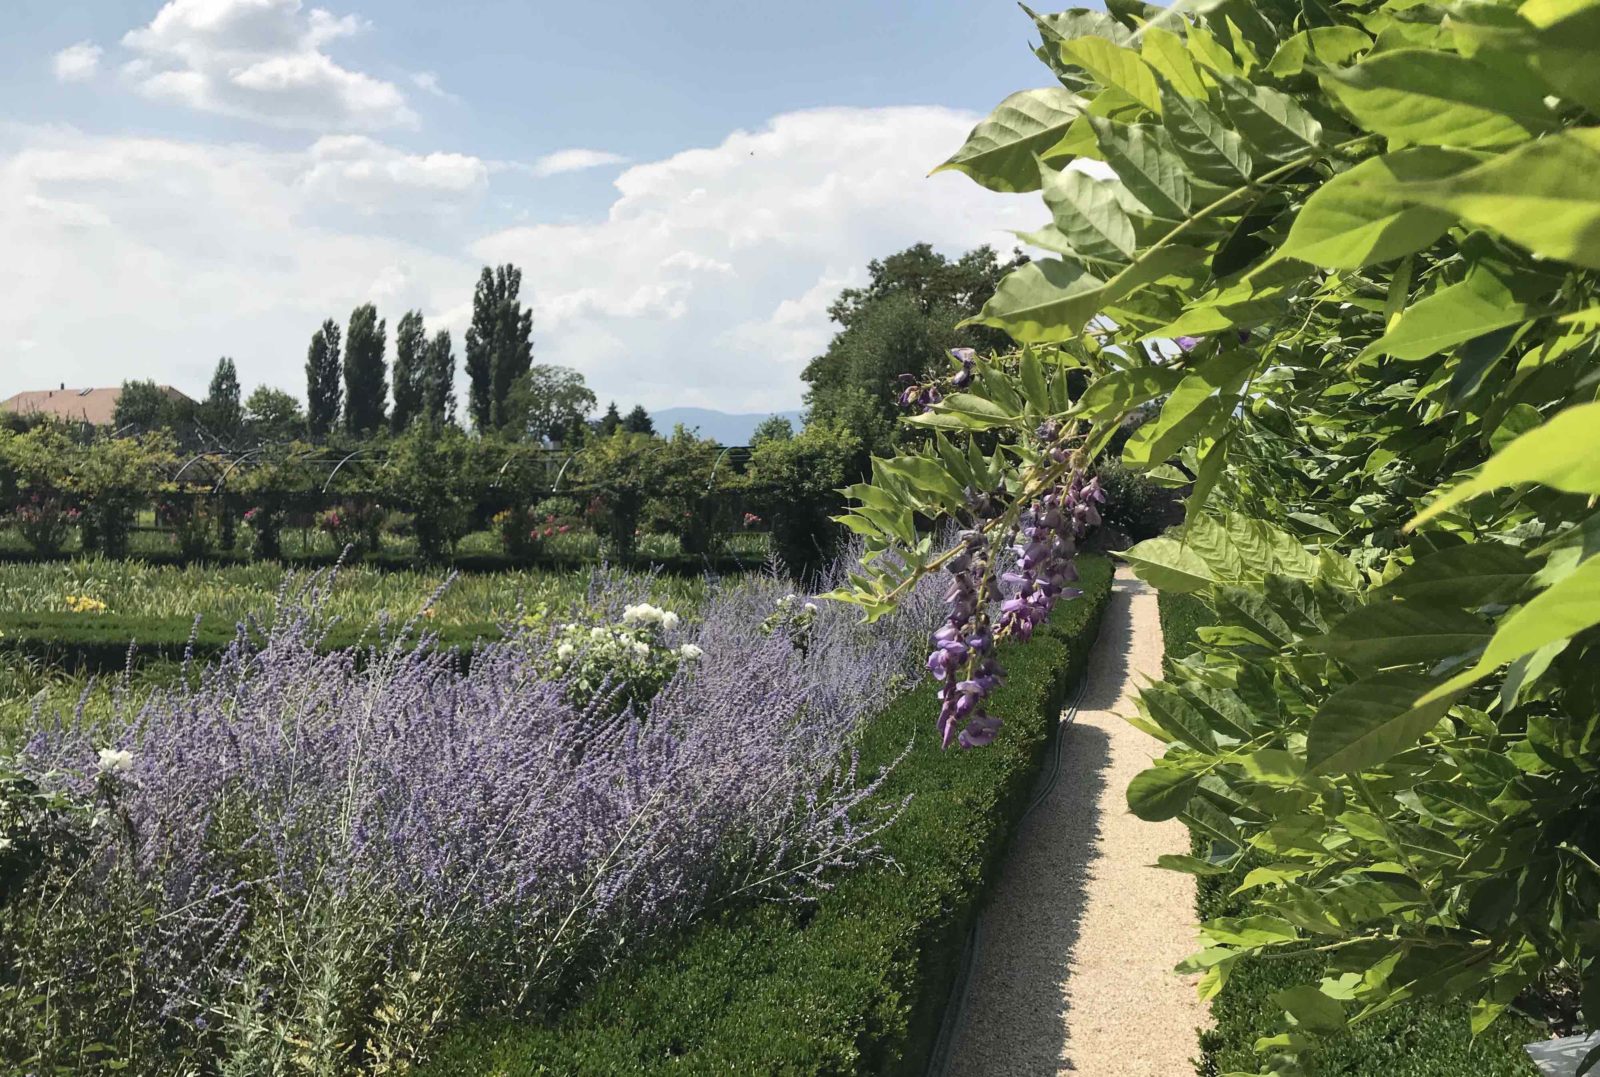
[729,428]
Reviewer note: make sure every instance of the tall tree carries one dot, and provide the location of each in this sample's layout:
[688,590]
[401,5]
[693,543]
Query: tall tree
[610,422]
[366,382]
[499,348]
[772,428]
[272,414]
[439,380]
[410,369]
[223,411]
[638,421]
[322,380]
[549,403]
[141,406]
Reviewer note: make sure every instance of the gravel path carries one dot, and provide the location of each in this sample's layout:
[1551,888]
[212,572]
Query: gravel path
[1073,972]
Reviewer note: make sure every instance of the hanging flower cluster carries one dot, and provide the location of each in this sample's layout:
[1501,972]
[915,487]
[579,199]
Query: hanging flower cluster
[1047,546]
[926,395]
[963,657]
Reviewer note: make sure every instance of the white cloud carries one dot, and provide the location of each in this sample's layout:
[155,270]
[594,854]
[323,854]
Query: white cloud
[428,82]
[574,160]
[374,178]
[261,60]
[77,63]
[712,272]
[706,283]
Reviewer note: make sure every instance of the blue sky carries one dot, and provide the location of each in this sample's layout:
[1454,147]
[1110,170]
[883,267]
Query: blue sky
[685,185]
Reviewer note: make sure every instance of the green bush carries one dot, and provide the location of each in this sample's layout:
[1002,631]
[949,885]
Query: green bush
[1136,506]
[794,484]
[99,643]
[1414,1039]
[858,982]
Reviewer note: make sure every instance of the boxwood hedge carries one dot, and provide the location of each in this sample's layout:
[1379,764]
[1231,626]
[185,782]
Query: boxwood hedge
[857,982]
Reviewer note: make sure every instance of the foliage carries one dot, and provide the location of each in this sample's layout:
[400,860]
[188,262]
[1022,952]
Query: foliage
[427,471]
[623,664]
[794,485]
[902,323]
[1372,241]
[687,497]
[858,983]
[366,374]
[499,350]
[410,370]
[621,471]
[144,405]
[637,421]
[222,411]
[439,380]
[772,428]
[272,415]
[549,403]
[323,377]
[1136,505]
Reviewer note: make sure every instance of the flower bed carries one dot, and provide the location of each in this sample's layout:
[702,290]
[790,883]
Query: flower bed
[302,851]
[857,983]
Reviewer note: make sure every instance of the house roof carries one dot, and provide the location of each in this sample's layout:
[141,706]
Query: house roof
[93,406]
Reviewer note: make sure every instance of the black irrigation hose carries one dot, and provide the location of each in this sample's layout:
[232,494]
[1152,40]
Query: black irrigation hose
[956,1006]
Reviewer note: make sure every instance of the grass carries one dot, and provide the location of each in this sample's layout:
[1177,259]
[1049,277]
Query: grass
[1417,1039]
[360,593]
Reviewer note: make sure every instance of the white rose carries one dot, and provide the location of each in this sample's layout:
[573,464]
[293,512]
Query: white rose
[789,598]
[565,651]
[115,760]
[690,651]
[669,620]
[641,649]
[811,607]
[630,614]
[598,633]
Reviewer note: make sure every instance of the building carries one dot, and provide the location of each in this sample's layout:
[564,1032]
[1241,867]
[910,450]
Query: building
[93,406]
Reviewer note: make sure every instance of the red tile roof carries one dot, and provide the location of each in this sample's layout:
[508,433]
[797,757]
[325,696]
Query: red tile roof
[93,406]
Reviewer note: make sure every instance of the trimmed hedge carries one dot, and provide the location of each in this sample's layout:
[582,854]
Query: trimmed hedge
[858,982]
[1412,1040]
[98,642]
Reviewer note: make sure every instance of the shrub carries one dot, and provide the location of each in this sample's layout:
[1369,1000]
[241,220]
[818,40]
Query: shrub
[794,484]
[193,518]
[308,851]
[621,472]
[428,471]
[1135,505]
[858,983]
[354,524]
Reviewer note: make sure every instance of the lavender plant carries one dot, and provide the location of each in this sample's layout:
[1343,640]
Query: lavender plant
[315,862]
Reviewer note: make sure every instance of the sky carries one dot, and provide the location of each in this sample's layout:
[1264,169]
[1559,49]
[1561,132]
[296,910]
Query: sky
[685,184]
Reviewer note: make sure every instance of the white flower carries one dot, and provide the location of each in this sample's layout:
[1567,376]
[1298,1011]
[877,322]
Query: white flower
[641,648]
[788,598]
[669,620]
[643,613]
[565,651]
[690,651]
[598,633]
[811,607]
[115,760]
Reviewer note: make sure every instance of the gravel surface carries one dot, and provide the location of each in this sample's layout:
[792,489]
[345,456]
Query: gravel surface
[1073,972]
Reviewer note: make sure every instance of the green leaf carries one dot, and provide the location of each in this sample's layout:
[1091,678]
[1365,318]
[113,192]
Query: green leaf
[1213,151]
[1190,865]
[1117,393]
[1324,45]
[1311,1008]
[1270,121]
[1145,160]
[1189,409]
[1116,67]
[1211,465]
[1402,633]
[1566,49]
[1359,217]
[1562,453]
[1044,301]
[1160,792]
[1168,565]
[1469,576]
[1541,196]
[1365,723]
[1453,315]
[1001,152]
[1165,51]
[1088,214]
[1559,613]
[1435,98]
